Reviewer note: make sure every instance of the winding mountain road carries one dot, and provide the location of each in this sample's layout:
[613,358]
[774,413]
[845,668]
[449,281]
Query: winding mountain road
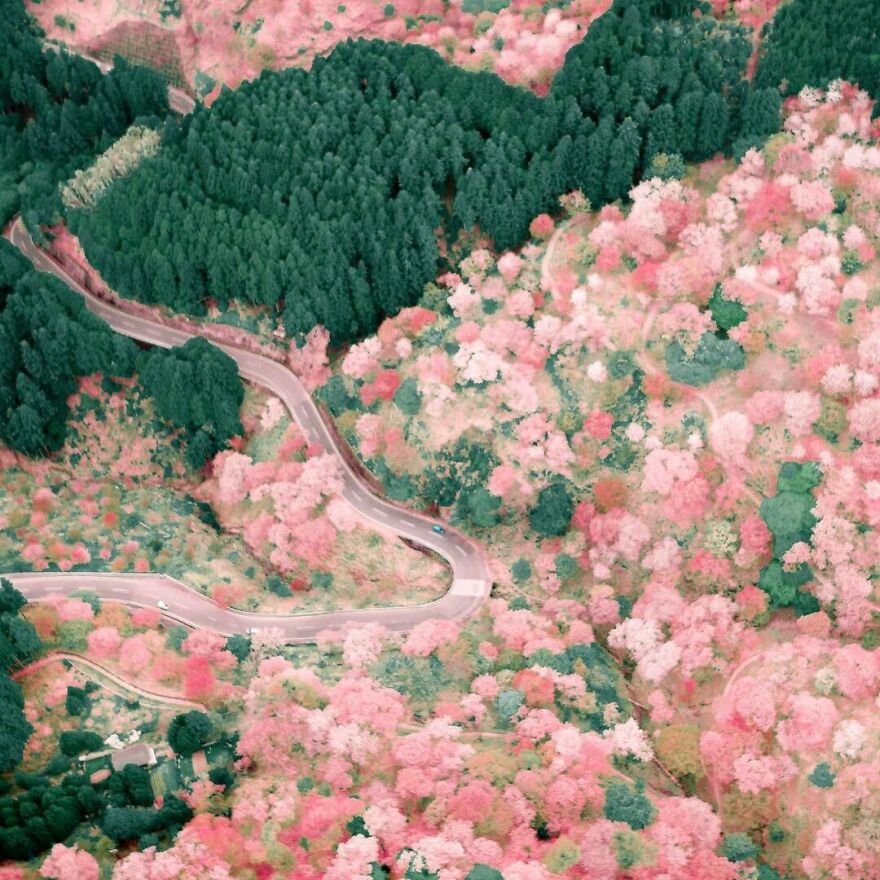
[471,580]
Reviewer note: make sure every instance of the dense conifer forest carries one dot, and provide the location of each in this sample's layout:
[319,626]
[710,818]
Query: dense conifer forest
[59,112]
[19,643]
[195,387]
[809,42]
[321,192]
[48,339]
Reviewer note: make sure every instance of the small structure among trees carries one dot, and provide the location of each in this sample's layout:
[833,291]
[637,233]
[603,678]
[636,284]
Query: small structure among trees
[139,755]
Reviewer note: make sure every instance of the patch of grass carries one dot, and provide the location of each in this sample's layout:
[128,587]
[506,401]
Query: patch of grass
[165,778]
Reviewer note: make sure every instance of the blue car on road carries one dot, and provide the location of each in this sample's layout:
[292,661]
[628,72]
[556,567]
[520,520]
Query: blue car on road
[438,529]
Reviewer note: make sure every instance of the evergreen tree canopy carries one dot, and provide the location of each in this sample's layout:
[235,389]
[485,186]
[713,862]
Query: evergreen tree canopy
[47,339]
[19,643]
[45,814]
[16,730]
[77,701]
[788,515]
[187,733]
[11,600]
[810,42]
[130,822]
[196,387]
[552,513]
[131,786]
[78,742]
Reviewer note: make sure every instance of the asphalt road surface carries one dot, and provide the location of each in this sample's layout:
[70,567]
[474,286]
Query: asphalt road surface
[471,580]
[179,101]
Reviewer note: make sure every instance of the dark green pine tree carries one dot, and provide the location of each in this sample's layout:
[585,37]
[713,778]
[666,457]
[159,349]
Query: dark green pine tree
[661,132]
[591,177]
[623,160]
[712,135]
[688,109]
[760,115]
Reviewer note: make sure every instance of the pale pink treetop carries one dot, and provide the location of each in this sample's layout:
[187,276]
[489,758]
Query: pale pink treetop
[362,358]
[429,635]
[628,738]
[74,609]
[69,863]
[184,861]
[664,468]
[104,641]
[463,300]
[730,436]
[509,265]
[362,645]
[311,362]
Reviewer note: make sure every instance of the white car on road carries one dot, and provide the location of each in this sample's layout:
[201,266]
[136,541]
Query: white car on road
[162,605]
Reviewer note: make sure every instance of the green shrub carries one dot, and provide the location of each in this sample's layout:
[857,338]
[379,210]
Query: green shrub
[484,872]
[407,397]
[276,585]
[239,646]
[625,803]
[552,513]
[188,732]
[566,566]
[789,517]
[507,703]
[822,777]
[521,570]
[712,356]
[79,742]
[726,313]
[738,847]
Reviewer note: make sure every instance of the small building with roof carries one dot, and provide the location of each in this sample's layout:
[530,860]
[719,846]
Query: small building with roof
[140,754]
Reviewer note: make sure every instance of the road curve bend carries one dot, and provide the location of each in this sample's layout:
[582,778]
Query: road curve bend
[471,579]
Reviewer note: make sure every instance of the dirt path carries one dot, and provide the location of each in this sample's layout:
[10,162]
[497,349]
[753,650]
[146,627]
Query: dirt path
[109,679]
[642,358]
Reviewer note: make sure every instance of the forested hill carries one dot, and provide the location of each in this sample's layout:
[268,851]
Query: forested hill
[810,42]
[322,191]
[48,339]
[58,113]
